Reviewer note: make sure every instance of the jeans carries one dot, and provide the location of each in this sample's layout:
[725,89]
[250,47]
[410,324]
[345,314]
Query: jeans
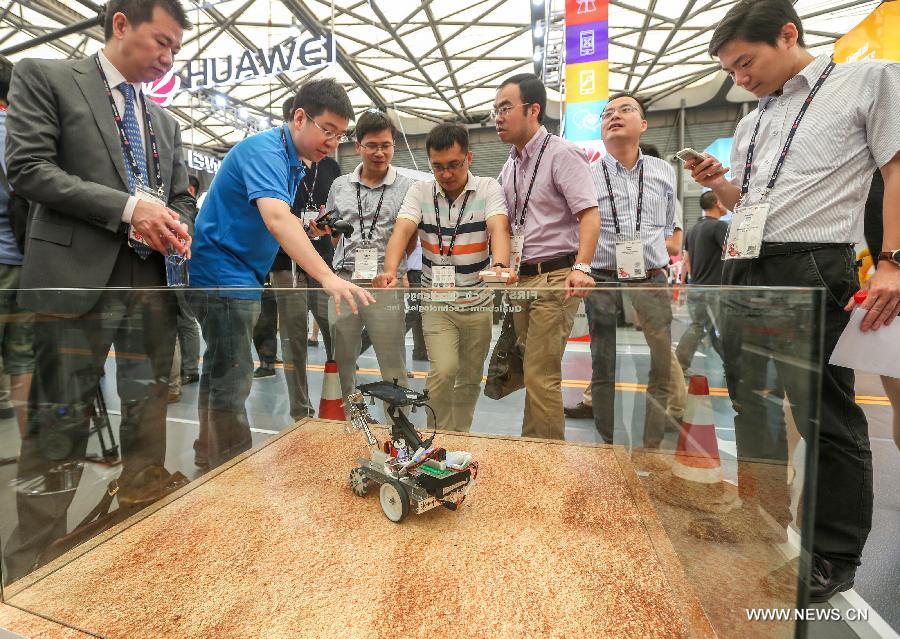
[227,372]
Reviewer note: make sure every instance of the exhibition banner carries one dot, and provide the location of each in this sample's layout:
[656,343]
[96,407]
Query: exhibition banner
[587,70]
[878,36]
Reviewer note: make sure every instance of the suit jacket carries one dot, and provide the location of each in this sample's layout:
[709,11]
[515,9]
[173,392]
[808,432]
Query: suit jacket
[64,155]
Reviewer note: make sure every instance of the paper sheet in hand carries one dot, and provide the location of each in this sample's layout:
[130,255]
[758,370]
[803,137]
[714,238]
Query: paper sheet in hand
[872,351]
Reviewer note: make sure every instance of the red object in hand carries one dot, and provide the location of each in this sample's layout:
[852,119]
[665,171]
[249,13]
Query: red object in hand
[860,296]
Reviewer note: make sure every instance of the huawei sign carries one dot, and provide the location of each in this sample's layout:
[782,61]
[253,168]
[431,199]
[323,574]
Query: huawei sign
[163,90]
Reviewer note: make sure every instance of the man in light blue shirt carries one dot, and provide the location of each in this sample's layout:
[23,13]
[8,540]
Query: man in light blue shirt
[245,217]
[636,195]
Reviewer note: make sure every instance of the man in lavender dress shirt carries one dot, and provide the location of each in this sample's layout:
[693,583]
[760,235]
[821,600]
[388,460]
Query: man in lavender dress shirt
[552,205]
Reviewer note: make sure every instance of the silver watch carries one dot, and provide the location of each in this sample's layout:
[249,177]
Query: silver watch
[581,266]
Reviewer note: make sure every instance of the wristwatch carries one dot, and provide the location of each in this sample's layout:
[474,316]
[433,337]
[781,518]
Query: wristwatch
[890,256]
[581,266]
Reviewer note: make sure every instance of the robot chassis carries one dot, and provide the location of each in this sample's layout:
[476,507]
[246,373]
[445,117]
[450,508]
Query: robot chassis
[409,481]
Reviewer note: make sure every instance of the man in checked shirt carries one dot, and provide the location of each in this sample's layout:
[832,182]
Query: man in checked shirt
[844,127]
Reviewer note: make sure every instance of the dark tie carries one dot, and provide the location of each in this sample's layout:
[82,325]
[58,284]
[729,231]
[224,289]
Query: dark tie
[136,142]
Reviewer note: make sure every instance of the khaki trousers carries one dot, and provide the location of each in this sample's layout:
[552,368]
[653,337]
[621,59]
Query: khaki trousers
[543,324]
[384,321]
[457,343]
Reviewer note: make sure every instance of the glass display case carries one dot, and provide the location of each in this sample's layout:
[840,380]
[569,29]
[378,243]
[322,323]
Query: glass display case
[672,498]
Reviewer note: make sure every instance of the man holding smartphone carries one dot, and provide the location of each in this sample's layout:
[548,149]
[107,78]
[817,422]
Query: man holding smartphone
[802,164]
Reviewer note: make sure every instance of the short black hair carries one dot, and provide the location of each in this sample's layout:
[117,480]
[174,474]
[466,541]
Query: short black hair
[650,149]
[319,96]
[6,68]
[628,94]
[140,11]
[755,21]
[194,181]
[287,109]
[708,200]
[531,89]
[445,135]
[374,121]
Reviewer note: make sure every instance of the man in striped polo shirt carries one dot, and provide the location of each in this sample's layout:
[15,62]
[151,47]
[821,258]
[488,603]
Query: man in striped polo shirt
[464,229]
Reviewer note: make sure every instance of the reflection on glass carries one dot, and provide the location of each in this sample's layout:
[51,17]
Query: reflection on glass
[707,470]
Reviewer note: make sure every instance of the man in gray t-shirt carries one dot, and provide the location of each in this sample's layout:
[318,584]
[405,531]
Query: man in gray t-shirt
[703,262]
[369,199]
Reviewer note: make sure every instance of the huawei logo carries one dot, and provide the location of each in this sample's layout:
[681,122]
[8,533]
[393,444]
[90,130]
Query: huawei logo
[593,155]
[163,90]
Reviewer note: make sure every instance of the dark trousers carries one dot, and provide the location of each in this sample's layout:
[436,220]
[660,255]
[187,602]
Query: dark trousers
[70,355]
[655,310]
[789,329]
[226,374]
[294,306]
[703,306]
[414,319]
[266,329]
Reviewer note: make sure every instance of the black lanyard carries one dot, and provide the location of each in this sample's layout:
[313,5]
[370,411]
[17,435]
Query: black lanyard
[362,229]
[530,186]
[123,137]
[612,199]
[437,214]
[745,188]
[310,200]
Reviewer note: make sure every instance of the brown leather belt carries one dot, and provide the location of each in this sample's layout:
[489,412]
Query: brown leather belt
[536,268]
[651,272]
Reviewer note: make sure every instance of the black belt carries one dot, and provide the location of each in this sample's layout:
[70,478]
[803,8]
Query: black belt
[608,272]
[770,249]
[536,268]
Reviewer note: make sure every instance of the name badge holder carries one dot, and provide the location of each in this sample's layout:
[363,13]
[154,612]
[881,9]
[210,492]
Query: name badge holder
[516,248]
[365,263]
[143,194]
[630,260]
[745,234]
[365,259]
[630,263]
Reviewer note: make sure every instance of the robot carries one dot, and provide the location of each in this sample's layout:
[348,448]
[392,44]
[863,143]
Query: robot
[413,475]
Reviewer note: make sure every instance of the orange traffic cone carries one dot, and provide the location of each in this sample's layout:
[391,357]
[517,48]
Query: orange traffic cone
[331,405]
[697,455]
[695,479]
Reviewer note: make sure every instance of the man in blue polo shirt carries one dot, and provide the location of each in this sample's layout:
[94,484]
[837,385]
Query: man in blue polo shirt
[245,217]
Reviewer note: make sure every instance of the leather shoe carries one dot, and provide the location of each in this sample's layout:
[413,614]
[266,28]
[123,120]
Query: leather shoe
[828,579]
[189,378]
[579,411]
[263,371]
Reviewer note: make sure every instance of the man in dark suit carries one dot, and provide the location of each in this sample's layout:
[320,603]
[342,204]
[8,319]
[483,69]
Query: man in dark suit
[103,170]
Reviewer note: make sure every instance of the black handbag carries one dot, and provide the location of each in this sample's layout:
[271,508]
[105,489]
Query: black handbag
[506,373]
